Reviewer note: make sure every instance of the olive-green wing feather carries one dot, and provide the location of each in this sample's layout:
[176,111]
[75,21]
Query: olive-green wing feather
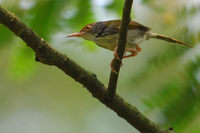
[136,25]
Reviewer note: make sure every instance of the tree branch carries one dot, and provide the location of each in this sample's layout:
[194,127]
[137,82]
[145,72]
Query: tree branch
[49,56]
[120,50]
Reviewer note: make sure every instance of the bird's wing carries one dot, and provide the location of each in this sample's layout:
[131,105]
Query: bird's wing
[136,25]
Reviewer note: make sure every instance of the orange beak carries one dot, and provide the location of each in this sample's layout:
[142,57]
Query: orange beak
[79,34]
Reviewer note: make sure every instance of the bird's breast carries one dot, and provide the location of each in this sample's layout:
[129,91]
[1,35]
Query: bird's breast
[108,42]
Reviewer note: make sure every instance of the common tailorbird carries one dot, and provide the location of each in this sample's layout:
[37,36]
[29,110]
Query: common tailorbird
[106,33]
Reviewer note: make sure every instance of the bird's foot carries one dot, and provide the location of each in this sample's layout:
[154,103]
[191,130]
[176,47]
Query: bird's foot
[111,66]
[116,55]
[133,53]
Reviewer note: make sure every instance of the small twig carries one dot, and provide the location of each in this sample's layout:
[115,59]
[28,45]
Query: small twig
[120,50]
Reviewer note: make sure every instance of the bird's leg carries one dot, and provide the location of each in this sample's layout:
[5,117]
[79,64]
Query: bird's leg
[133,53]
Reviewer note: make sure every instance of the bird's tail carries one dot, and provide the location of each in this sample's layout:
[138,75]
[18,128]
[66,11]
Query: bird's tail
[168,39]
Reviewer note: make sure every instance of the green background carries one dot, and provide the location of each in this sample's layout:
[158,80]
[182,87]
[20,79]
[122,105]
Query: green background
[162,81]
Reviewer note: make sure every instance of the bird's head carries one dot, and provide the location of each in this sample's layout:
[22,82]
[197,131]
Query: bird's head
[88,32]
[99,29]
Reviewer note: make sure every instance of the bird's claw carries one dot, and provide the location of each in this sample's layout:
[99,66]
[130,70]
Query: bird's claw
[116,55]
[111,66]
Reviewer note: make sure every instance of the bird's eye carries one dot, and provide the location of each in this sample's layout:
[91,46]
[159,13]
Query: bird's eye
[88,27]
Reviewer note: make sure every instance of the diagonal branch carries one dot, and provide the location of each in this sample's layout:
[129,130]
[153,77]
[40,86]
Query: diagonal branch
[120,50]
[49,56]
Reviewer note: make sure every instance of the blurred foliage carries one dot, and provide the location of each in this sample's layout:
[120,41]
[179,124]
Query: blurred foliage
[45,15]
[116,6]
[178,100]
[22,64]
[83,14]
[5,35]
[185,12]
[153,5]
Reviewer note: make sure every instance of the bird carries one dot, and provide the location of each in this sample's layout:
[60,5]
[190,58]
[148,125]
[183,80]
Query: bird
[106,33]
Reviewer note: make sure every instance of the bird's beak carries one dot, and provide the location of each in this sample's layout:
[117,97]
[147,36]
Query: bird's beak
[79,34]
